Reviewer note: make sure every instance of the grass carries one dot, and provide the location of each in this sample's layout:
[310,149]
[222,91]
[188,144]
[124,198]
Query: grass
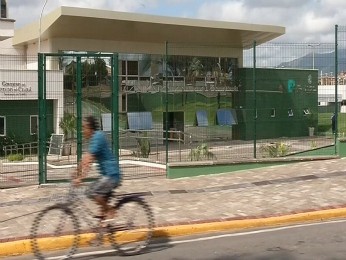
[325,123]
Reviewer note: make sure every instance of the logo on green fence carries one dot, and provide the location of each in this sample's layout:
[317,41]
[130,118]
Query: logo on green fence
[291,84]
[310,79]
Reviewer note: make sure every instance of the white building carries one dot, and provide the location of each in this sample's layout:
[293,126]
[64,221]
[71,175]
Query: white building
[326,96]
[88,30]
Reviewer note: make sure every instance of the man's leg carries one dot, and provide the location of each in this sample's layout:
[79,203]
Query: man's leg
[107,212]
[102,190]
[103,203]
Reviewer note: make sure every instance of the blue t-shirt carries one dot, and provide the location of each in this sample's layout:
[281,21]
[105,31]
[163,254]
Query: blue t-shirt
[105,158]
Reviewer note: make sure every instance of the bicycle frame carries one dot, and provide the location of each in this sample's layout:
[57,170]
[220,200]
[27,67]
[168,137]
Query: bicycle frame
[75,208]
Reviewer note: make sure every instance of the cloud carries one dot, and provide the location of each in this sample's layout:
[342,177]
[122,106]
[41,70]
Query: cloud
[230,11]
[27,11]
[274,3]
[333,3]
[114,5]
[174,2]
[99,4]
[305,21]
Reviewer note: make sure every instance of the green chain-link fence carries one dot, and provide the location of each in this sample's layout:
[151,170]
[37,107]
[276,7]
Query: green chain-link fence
[190,103]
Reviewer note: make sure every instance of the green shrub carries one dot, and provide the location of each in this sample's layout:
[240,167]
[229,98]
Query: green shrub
[313,144]
[144,146]
[201,152]
[4,141]
[15,157]
[275,149]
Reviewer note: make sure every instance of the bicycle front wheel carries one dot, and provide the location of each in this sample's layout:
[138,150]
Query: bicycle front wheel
[55,228]
[132,229]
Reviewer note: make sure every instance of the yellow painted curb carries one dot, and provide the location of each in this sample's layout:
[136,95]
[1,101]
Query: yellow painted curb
[181,230]
[24,246]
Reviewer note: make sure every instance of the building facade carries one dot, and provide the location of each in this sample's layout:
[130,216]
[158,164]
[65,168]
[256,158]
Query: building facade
[141,41]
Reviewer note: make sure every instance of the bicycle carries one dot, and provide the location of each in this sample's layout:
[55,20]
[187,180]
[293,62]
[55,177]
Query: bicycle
[124,233]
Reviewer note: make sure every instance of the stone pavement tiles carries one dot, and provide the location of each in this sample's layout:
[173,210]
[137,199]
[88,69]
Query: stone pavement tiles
[270,191]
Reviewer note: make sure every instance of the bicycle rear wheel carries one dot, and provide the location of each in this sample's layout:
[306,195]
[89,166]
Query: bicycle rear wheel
[132,229]
[55,228]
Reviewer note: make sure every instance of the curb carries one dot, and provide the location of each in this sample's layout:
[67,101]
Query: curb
[24,246]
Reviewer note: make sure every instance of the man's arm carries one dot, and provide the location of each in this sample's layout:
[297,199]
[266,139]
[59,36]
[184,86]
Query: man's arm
[84,167]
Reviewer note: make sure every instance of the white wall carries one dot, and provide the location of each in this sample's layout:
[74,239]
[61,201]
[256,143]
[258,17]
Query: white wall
[326,93]
[6,28]
[23,85]
[6,48]
[31,52]
[19,78]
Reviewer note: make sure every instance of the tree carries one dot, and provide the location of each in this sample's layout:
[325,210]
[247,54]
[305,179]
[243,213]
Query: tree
[93,72]
[68,124]
[71,75]
[195,68]
[100,69]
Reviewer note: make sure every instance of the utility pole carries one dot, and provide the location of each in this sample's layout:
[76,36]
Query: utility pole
[313,45]
[39,30]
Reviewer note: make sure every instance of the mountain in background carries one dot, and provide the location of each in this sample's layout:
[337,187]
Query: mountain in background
[324,62]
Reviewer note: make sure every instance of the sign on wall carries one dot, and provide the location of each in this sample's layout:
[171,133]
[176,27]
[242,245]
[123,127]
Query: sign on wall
[12,88]
[23,84]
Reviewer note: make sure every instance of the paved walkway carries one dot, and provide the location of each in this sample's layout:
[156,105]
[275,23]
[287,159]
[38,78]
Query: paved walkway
[263,192]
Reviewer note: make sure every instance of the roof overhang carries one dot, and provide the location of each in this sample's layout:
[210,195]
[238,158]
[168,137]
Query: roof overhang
[82,23]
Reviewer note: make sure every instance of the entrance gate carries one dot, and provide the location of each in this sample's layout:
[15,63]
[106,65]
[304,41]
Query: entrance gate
[87,79]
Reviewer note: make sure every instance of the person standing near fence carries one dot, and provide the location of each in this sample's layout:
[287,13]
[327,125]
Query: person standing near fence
[333,118]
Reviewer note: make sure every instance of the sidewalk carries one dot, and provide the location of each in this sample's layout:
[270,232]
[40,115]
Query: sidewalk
[249,194]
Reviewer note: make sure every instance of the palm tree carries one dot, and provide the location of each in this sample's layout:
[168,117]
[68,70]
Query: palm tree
[68,125]
[195,69]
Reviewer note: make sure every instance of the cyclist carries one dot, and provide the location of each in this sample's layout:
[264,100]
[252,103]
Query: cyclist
[99,151]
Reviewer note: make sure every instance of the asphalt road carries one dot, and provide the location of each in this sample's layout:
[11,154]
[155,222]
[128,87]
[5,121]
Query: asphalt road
[320,241]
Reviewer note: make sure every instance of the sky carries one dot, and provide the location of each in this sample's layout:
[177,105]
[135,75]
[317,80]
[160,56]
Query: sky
[306,21]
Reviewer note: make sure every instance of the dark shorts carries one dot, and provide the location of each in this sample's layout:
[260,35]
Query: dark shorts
[102,187]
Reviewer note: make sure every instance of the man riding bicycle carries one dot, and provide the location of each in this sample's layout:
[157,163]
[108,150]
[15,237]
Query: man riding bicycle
[99,151]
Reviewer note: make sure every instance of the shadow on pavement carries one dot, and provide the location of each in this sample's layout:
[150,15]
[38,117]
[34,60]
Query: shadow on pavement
[161,243]
[157,244]
[274,256]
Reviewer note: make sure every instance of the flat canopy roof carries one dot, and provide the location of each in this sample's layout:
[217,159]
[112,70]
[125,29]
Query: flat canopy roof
[82,23]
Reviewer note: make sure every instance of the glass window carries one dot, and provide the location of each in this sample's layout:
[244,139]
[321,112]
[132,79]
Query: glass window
[132,67]
[2,125]
[123,102]
[33,124]
[129,68]
[3,9]
[123,67]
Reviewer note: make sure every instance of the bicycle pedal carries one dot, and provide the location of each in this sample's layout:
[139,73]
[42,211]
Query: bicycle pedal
[108,220]
[118,227]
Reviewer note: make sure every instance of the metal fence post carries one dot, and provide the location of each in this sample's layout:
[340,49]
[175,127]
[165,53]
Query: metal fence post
[255,101]
[42,119]
[115,104]
[336,88]
[79,108]
[166,98]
